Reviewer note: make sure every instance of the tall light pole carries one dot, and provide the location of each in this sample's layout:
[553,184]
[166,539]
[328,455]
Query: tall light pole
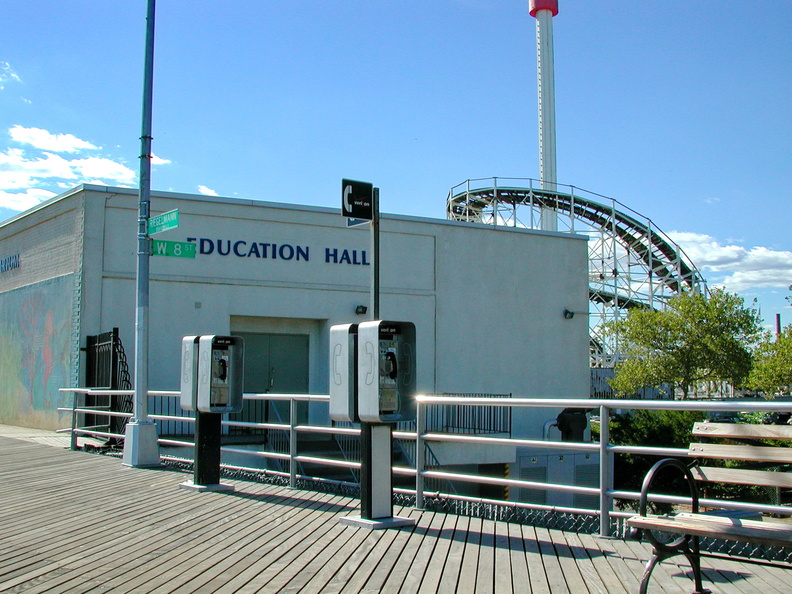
[140,442]
[544,11]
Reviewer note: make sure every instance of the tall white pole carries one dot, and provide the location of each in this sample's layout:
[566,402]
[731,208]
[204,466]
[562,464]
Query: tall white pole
[140,442]
[544,11]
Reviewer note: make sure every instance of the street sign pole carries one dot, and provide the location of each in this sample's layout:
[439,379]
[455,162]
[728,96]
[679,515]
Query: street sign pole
[375,259]
[140,442]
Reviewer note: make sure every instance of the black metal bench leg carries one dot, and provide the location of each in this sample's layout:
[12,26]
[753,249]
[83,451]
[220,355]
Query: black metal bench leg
[694,558]
[650,565]
[692,555]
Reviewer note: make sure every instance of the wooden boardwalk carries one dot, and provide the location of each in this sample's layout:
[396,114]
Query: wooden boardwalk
[74,522]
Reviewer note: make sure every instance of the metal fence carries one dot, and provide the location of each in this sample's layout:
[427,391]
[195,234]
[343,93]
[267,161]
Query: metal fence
[605,519]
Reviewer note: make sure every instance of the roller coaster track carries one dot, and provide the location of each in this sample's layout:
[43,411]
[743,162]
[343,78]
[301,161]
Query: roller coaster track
[632,263]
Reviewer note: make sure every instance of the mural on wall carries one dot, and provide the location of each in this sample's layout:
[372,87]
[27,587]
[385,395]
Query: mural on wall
[35,331]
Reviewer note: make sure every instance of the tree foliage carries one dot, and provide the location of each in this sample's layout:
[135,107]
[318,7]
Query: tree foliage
[696,338]
[772,365]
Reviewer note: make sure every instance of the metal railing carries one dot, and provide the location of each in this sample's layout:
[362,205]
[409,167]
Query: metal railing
[605,492]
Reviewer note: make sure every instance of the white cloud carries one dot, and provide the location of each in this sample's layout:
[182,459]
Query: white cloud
[18,172]
[734,266]
[27,175]
[7,74]
[24,200]
[46,141]
[102,168]
[207,191]
[155,160]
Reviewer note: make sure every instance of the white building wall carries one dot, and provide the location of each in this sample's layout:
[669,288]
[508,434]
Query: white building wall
[487,302]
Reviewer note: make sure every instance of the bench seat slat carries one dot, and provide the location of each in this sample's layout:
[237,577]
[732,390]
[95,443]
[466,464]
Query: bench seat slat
[741,452]
[753,531]
[739,476]
[742,430]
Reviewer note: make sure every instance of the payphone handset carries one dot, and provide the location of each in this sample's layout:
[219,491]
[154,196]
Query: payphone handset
[343,358]
[220,373]
[386,371]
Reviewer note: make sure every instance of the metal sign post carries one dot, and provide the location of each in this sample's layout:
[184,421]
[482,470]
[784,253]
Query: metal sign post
[140,442]
[360,202]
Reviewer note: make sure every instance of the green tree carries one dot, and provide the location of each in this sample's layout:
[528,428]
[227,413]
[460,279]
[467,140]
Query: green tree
[772,365]
[696,338]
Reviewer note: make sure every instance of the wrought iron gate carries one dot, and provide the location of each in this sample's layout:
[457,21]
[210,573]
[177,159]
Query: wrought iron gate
[106,367]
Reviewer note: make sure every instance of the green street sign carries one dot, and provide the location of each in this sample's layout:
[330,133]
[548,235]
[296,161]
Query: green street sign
[164,222]
[174,249]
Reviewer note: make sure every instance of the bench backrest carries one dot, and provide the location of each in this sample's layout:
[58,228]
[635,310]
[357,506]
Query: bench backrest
[743,452]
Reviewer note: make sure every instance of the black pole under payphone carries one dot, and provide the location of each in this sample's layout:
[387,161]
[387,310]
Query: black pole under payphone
[208,428]
[366,444]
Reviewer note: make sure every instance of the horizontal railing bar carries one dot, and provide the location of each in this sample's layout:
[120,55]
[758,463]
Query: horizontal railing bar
[256,453]
[98,413]
[501,441]
[503,482]
[97,433]
[327,461]
[593,403]
[175,442]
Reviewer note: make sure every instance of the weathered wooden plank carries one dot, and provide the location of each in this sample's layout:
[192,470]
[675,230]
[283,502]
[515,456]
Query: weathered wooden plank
[178,547]
[570,566]
[255,553]
[350,567]
[485,568]
[520,580]
[741,476]
[742,431]
[607,575]
[453,559]
[534,561]
[598,578]
[427,521]
[324,565]
[427,569]
[470,557]
[552,565]
[294,558]
[753,531]
[387,562]
[741,452]
[503,567]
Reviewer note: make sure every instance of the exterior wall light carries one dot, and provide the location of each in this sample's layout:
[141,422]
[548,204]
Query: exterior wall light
[569,314]
[361,310]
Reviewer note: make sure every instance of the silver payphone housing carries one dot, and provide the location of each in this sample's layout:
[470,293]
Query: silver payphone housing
[343,375]
[386,371]
[212,372]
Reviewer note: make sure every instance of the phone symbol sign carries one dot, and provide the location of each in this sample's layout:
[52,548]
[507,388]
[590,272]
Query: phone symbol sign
[357,199]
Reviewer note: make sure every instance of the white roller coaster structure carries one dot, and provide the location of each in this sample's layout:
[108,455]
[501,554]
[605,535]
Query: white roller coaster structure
[632,263]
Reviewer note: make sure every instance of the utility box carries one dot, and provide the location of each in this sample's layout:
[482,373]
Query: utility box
[343,373]
[386,371]
[212,372]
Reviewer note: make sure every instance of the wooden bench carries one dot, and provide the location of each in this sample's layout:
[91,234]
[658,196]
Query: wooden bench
[691,526]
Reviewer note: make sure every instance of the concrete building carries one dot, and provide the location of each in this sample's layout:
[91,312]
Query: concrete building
[487,302]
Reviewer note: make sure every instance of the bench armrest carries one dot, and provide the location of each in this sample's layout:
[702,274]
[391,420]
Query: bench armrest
[636,533]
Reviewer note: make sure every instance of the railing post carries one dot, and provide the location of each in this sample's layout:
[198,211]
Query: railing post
[292,443]
[73,435]
[420,454]
[606,472]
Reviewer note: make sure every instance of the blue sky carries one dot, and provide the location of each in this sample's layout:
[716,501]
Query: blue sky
[680,110]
